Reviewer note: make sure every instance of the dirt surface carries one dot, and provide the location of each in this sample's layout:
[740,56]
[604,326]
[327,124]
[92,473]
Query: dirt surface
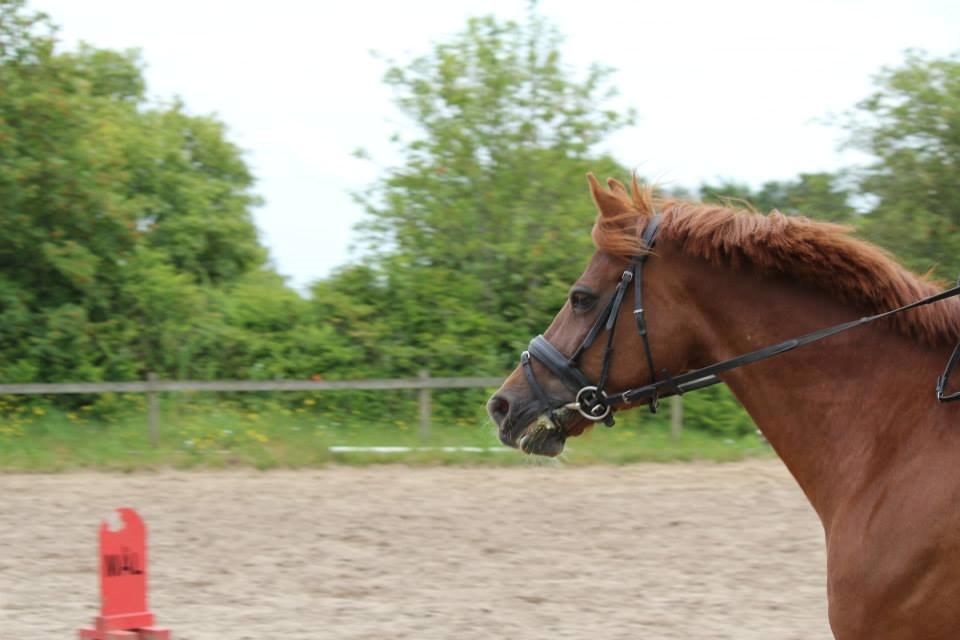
[690,551]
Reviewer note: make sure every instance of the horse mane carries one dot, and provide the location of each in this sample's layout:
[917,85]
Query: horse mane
[819,254]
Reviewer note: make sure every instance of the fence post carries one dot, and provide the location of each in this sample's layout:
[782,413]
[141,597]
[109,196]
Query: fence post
[153,410]
[424,405]
[676,417]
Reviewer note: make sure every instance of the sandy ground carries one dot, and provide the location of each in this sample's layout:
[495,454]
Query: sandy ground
[689,551]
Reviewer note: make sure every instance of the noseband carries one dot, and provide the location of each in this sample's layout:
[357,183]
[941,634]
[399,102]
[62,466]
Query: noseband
[595,404]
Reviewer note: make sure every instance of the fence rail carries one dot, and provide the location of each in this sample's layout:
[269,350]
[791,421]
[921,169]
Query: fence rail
[152,387]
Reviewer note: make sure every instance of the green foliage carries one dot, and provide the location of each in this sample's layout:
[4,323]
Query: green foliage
[716,411]
[123,221]
[815,195]
[470,239]
[910,126]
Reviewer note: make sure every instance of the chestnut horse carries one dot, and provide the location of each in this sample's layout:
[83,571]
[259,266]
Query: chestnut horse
[853,414]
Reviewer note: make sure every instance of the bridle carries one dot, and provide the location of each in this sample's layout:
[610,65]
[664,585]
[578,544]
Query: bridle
[595,404]
[592,401]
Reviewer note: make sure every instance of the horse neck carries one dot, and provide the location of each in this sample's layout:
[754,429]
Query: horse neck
[833,410]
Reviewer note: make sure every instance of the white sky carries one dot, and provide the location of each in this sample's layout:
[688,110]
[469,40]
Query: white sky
[734,89]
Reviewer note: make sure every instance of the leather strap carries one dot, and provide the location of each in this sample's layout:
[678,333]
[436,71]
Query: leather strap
[557,363]
[707,376]
[649,234]
[532,381]
[945,377]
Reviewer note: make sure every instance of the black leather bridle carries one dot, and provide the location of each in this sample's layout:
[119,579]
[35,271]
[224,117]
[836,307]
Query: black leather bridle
[592,400]
[595,404]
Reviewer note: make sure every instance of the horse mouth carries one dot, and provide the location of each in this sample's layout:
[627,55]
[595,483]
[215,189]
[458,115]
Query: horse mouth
[545,434]
[543,437]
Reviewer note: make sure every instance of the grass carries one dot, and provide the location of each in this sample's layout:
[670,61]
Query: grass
[219,435]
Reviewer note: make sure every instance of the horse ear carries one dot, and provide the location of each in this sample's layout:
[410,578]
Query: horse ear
[617,187]
[608,204]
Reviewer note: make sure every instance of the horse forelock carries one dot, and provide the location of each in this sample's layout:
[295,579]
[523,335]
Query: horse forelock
[819,254]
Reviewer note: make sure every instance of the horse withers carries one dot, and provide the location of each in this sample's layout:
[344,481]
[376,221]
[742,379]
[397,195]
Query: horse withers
[681,295]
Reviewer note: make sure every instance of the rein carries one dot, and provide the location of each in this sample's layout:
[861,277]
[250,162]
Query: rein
[594,404]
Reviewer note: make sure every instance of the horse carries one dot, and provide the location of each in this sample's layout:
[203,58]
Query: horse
[852,413]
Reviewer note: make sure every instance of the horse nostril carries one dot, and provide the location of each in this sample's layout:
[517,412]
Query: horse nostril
[498,407]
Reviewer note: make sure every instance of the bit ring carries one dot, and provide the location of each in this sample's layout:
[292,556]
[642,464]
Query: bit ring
[589,405]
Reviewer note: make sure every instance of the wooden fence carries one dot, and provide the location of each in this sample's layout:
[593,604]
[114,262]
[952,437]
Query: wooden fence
[153,387]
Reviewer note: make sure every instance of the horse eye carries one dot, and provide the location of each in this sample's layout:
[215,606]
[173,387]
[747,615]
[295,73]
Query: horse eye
[582,301]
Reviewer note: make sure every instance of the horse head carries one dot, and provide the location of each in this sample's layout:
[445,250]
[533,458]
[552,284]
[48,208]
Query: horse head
[603,339]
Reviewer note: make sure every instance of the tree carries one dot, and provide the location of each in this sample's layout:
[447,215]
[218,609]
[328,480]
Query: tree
[474,239]
[911,126]
[815,195]
[119,216]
